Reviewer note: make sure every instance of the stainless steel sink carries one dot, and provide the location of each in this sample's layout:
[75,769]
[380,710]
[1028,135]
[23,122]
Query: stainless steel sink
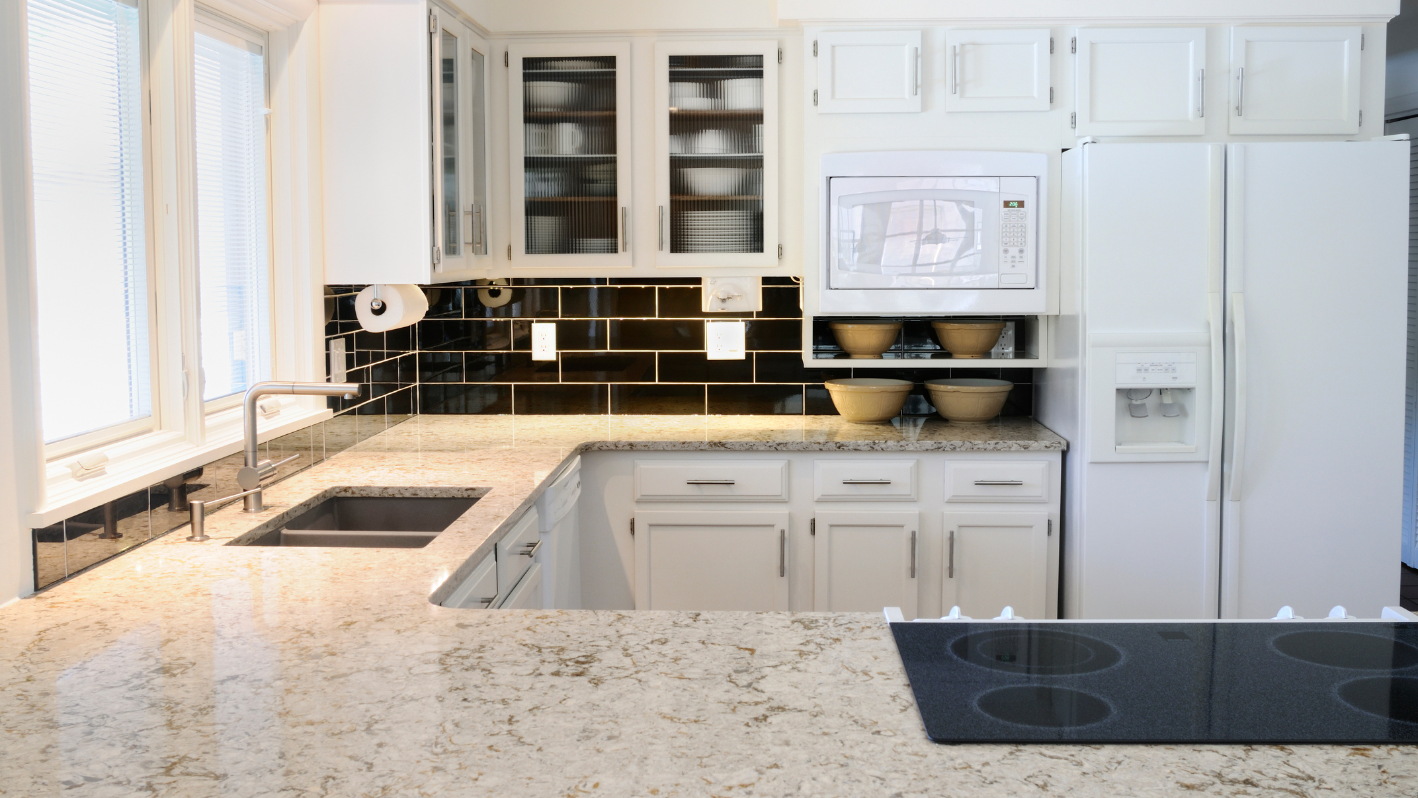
[374,522]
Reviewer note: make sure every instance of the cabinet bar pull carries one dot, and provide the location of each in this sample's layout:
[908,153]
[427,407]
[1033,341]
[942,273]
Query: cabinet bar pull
[950,563]
[708,482]
[866,482]
[488,602]
[662,228]
[1240,88]
[916,72]
[913,554]
[782,552]
[530,549]
[624,229]
[1201,94]
[955,69]
[999,482]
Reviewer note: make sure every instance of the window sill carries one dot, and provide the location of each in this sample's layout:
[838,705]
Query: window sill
[153,458]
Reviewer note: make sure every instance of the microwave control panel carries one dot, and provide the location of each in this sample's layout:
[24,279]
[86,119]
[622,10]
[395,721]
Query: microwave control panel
[1017,214]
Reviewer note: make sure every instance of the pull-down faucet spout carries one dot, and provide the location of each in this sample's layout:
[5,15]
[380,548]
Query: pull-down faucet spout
[256,469]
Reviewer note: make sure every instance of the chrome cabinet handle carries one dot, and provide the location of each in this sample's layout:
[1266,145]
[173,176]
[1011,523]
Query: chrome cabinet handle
[916,73]
[1201,94]
[531,549]
[662,228]
[708,482]
[913,554]
[950,563]
[999,482]
[866,482]
[1240,88]
[488,602]
[624,229]
[782,552]
[955,69]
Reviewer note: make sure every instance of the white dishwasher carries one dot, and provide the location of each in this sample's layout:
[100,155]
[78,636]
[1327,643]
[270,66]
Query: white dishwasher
[560,554]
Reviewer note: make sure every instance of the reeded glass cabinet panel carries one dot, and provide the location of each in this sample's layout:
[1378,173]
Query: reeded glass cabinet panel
[570,151]
[457,145]
[717,156]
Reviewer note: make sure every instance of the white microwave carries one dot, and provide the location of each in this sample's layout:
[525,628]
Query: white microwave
[933,232]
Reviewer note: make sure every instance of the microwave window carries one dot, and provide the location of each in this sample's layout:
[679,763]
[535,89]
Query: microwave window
[910,237]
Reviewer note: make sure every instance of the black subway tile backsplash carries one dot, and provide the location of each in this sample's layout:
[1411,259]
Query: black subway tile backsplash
[656,334]
[697,367]
[686,399]
[604,302]
[755,399]
[560,399]
[774,334]
[608,367]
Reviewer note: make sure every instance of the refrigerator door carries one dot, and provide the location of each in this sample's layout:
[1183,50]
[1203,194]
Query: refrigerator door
[1316,291]
[1144,539]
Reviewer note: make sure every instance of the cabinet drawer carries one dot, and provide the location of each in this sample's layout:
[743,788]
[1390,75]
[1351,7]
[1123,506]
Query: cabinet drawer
[864,479]
[711,481]
[479,590]
[981,481]
[517,548]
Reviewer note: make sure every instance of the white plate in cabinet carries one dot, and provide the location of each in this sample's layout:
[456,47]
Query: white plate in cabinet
[517,548]
[876,71]
[995,560]
[716,481]
[1141,81]
[984,481]
[711,560]
[1295,80]
[856,479]
[479,590]
[997,70]
[527,595]
[863,562]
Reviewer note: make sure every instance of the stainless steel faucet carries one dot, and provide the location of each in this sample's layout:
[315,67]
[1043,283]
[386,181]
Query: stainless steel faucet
[249,478]
[255,470]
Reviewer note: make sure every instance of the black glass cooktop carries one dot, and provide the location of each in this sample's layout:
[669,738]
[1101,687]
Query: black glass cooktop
[1290,682]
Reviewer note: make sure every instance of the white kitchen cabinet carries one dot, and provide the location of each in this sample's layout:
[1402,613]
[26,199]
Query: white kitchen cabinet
[479,589]
[711,560]
[864,479]
[864,561]
[707,479]
[527,595]
[716,153]
[996,559]
[997,70]
[1140,81]
[877,71]
[1295,80]
[401,194]
[569,140]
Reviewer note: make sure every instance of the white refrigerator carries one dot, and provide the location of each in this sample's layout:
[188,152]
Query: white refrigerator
[1229,366]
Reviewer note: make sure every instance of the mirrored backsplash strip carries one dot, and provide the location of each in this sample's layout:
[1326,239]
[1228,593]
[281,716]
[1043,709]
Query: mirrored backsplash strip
[625,346]
[387,397]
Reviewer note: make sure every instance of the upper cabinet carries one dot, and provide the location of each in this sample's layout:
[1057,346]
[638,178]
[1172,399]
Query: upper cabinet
[1295,80]
[1140,81]
[868,71]
[404,145]
[716,154]
[569,115]
[997,70]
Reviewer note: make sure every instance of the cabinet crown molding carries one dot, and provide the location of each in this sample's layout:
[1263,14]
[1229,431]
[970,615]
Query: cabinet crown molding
[1023,12]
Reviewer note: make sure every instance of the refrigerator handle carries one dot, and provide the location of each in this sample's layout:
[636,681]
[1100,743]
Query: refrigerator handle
[1238,447]
[1216,321]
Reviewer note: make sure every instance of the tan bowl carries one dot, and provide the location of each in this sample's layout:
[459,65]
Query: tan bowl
[864,339]
[968,400]
[970,339]
[868,400]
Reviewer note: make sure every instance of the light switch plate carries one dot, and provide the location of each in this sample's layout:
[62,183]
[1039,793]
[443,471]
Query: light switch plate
[724,340]
[543,340]
[337,360]
[732,294]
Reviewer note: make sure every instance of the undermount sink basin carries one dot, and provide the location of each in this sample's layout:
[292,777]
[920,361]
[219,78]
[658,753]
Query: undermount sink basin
[371,522]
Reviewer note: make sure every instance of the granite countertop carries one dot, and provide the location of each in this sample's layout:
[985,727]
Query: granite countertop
[185,669]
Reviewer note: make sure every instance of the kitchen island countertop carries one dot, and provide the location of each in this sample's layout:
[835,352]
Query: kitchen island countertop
[184,669]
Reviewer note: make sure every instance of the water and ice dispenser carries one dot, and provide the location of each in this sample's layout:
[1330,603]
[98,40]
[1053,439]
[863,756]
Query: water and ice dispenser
[1149,403]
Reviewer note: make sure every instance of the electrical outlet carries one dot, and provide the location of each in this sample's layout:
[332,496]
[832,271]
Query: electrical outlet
[724,340]
[337,360]
[543,340]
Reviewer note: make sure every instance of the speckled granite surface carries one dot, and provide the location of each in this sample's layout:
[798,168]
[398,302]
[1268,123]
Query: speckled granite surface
[200,669]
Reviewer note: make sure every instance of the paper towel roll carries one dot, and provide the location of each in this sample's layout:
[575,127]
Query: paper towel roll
[403,305]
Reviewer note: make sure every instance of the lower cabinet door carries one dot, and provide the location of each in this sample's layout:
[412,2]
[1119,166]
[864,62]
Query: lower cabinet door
[527,595]
[863,562]
[713,560]
[996,560]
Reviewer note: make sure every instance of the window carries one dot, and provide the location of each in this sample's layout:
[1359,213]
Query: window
[233,256]
[90,232]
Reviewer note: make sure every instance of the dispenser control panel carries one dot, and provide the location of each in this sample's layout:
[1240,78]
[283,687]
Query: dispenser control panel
[1156,368]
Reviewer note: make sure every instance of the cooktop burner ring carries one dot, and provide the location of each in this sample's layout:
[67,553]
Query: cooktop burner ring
[1393,698]
[1336,648]
[1034,651]
[1043,706]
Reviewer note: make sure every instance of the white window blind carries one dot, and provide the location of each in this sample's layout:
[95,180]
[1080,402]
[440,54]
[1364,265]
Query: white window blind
[229,93]
[86,136]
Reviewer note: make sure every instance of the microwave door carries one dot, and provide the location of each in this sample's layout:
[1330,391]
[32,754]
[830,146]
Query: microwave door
[912,239]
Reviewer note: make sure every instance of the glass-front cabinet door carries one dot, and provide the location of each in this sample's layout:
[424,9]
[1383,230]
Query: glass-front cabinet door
[570,148]
[457,144]
[716,108]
